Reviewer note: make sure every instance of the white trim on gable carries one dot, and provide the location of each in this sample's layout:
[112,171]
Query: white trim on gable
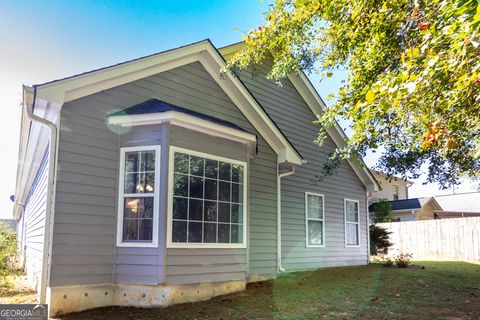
[75,87]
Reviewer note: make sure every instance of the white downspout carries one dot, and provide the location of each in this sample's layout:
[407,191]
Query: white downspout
[29,106]
[368,227]
[279,216]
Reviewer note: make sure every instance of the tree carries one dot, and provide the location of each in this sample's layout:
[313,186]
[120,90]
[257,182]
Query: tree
[382,210]
[413,83]
[379,240]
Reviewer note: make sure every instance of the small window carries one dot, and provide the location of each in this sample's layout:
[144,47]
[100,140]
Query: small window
[138,196]
[395,192]
[207,200]
[352,223]
[314,214]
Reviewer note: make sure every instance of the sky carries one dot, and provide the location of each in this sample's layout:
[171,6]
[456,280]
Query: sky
[45,40]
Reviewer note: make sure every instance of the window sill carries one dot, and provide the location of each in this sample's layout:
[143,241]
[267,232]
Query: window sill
[207,245]
[136,245]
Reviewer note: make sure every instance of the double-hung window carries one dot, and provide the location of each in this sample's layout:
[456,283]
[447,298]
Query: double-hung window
[315,219]
[352,223]
[138,202]
[207,196]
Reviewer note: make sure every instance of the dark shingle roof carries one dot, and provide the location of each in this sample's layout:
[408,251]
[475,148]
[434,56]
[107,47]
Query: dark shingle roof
[156,106]
[397,205]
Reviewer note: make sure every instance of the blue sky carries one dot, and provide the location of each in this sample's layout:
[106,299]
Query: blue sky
[46,40]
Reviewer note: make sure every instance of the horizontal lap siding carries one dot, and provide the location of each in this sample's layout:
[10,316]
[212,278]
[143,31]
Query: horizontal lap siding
[87,191]
[286,107]
[144,265]
[193,88]
[85,206]
[34,223]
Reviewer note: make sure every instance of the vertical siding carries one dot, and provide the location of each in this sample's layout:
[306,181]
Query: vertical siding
[33,226]
[289,111]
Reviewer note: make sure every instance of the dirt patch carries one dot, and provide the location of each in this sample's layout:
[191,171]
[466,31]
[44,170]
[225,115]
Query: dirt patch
[18,291]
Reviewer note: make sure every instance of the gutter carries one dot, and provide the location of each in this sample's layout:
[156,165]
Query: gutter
[29,107]
[279,216]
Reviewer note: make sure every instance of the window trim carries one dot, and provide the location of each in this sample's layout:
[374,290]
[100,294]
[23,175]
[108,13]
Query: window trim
[307,244]
[122,195]
[395,191]
[357,223]
[170,243]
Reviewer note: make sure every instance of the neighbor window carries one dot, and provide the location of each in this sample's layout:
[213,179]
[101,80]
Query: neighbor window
[352,223]
[207,195]
[138,196]
[315,216]
[395,192]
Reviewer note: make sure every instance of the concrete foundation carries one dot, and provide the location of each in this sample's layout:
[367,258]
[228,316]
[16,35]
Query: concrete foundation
[62,300]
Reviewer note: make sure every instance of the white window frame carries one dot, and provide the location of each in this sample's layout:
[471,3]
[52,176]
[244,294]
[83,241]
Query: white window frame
[357,223]
[122,195]
[307,244]
[170,243]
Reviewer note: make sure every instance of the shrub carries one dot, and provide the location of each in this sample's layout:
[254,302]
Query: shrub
[382,210]
[7,252]
[402,260]
[379,241]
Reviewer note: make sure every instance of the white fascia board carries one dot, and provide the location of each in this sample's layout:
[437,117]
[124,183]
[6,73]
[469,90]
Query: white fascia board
[86,84]
[186,121]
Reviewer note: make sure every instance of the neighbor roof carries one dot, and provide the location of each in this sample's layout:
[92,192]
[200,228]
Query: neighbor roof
[401,205]
[460,202]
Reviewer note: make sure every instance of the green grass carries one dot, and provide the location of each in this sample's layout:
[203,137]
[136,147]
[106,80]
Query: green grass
[444,290]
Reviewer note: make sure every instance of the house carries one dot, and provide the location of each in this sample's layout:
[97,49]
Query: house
[392,188]
[412,209]
[10,223]
[458,205]
[160,181]
[395,191]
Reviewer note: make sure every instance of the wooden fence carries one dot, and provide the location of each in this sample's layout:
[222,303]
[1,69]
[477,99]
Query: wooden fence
[449,239]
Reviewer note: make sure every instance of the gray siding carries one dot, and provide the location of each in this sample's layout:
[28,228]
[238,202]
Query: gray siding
[85,213]
[145,265]
[33,224]
[289,111]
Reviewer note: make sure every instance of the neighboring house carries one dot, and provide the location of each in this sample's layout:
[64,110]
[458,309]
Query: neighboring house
[458,205]
[160,181]
[392,188]
[12,223]
[395,191]
[412,209]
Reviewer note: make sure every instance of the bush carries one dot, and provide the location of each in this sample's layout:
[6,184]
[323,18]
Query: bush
[382,211]
[379,240]
[402,260]
[8,241]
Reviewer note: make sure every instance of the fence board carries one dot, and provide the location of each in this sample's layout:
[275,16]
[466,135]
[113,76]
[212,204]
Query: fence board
[445,239]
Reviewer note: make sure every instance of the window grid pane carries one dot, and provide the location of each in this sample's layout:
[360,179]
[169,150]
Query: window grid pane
[138,196]
[352,225]
[315,217]
[213,192]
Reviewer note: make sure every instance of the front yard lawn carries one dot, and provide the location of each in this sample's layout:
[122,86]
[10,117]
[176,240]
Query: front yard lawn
[444,290]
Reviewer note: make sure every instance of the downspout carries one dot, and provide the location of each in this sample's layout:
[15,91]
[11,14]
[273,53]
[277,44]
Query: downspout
[368,227]
[279,216]
[30,105]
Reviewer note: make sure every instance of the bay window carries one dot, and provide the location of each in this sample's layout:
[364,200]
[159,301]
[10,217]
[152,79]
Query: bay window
[207,196]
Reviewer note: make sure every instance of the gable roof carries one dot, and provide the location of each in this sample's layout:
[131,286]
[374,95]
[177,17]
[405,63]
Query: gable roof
[316,104]
[74,87]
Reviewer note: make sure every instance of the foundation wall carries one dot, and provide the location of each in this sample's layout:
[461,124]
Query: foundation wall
[67,299]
